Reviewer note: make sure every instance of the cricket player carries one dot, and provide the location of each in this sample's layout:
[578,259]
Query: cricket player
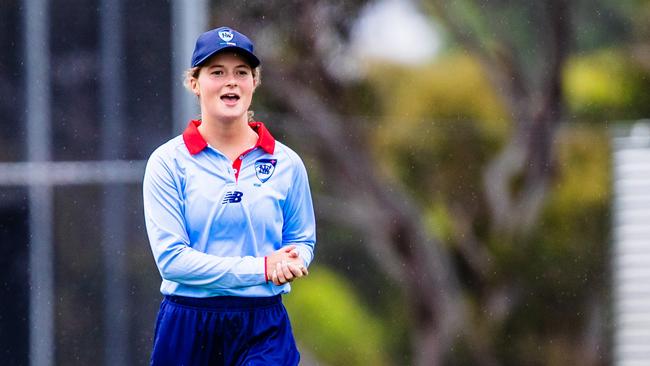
[230,221]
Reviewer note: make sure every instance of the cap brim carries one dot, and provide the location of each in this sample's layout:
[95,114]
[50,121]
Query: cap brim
[253,61]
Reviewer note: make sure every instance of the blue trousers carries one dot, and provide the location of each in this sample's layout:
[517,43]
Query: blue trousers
[225,330]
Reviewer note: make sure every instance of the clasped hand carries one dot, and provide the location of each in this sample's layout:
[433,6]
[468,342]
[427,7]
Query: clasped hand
[285,265]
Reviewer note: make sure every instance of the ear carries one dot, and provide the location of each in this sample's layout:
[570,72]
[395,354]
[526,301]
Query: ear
[194,85]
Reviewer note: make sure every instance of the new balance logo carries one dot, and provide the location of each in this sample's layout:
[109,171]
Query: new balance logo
[232,197]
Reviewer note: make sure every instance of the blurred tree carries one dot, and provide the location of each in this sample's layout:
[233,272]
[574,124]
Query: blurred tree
[503,235]
[510,284]
[523,47]
[485,294]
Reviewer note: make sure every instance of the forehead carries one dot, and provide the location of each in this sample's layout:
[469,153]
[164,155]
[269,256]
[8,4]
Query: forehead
[227,58]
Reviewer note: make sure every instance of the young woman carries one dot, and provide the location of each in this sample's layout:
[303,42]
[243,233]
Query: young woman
[230,221]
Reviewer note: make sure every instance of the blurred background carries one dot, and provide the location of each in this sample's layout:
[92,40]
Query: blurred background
[480,171]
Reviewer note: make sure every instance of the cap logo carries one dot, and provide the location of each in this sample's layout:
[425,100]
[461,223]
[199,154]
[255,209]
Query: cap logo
[226,35]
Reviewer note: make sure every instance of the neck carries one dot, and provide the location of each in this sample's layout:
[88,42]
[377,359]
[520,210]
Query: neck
[231,138]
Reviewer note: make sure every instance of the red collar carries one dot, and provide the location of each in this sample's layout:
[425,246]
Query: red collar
[195,142]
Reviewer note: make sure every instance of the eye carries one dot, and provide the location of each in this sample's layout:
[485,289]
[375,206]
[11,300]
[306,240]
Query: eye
[242,72]
[217,72]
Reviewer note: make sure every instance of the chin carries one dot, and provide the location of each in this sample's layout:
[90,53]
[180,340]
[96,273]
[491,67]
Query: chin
[229,117]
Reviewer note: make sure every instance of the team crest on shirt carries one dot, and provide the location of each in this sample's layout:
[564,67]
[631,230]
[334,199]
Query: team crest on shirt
[264,169]
[226,35]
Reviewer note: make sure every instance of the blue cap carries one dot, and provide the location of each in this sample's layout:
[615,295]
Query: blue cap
[224,38]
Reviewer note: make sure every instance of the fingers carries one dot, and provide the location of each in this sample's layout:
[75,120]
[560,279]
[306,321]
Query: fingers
[296,270]
[288,275]
[301,268]
[283,272]
[292,251]
[286,272]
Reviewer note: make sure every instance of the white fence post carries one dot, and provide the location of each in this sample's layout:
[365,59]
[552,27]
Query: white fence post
[631,255]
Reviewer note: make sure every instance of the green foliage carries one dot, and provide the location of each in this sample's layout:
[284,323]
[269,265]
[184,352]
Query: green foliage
[452,88]
[607,84]
[438,147]
[330,322]
[439,219]
[561,267]
[574,226]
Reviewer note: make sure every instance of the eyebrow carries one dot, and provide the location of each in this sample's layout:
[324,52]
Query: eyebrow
[220,65]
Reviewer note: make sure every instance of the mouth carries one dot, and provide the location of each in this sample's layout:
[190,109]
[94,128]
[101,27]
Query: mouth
[230,98]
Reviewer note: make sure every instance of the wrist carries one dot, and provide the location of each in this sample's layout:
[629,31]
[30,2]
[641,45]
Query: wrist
[266,273]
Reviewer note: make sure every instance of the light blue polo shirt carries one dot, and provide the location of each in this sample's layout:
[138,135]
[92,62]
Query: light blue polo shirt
[211,221]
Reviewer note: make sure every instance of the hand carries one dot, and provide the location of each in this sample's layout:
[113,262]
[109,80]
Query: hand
[287,272]
[285,265]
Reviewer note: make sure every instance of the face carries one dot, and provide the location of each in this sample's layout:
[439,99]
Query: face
[225,87]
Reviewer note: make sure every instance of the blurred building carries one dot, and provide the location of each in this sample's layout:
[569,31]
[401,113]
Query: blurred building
[87,90]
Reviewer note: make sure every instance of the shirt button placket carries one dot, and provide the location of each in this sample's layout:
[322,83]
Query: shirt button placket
[236,167]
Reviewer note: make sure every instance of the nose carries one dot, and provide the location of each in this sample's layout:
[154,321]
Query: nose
[232,81]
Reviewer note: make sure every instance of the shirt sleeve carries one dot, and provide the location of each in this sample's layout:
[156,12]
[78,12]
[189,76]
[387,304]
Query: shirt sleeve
[299,222]
[177,261]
